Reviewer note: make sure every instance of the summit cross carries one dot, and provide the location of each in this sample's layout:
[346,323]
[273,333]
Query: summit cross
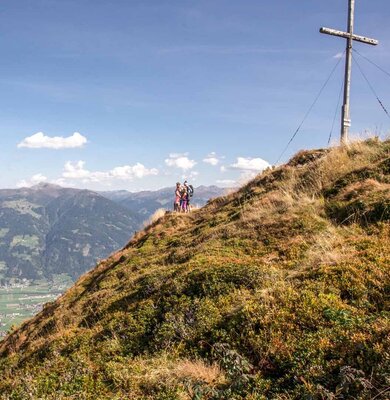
[351,37]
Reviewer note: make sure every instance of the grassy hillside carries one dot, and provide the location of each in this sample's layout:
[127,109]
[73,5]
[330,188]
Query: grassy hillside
[277,291]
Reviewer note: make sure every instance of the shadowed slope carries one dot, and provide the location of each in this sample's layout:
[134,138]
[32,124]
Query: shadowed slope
[279,290]
[47,231]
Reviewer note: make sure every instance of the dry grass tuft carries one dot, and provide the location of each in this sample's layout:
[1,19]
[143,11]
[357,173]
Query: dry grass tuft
[330,248]
[342,160]
[155,217]
[199,371]
[363,188]
[165,372]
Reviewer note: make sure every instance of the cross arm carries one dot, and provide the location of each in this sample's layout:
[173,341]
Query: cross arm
[347,35]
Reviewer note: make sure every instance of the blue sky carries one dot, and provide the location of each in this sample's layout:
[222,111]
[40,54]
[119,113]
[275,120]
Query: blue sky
[163,90]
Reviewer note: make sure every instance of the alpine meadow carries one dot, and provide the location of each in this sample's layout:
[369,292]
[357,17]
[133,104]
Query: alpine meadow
[277,291]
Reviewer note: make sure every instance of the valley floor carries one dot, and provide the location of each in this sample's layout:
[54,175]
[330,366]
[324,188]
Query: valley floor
[21,302]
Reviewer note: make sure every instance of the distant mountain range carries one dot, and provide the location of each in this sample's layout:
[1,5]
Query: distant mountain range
[145,203]
[47,230]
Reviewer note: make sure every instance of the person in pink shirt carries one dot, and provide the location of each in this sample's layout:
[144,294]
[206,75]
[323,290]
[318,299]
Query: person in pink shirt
[176,204]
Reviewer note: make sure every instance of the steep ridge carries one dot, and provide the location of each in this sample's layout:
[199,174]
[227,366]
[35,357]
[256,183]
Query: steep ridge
[277,291]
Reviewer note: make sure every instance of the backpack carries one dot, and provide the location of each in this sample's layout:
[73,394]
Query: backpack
[190,190]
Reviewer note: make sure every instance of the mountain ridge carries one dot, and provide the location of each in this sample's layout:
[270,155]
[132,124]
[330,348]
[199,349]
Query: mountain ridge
[279,290]
[48,229]
[34,242]
[146,202]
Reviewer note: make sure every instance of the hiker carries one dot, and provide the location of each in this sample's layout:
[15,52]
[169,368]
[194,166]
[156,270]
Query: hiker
[178,194]
[188,192]
[184,198]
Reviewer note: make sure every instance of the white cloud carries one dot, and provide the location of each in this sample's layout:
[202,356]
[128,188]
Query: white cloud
[77,171]
[129,172]
[223,169]
[34,180]
[246,176]
[41,141]
[249,167]
[211,159]
[191,176]
[180,161]
[63,182]
[338,55]
[250,164]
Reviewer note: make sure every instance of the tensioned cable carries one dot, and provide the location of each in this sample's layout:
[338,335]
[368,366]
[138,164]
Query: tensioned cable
[371,87]
[310,108]
[372,62]
[336,112]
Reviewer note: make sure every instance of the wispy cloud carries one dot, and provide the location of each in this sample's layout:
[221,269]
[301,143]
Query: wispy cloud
[41,141]
[234,50]
[212,159]
[217,49]
[86,93]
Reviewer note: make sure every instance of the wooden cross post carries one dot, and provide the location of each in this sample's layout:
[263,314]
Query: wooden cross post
[350,36]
